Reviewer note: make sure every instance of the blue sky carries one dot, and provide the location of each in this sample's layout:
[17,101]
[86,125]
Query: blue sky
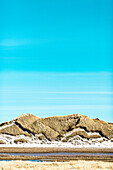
[56,58]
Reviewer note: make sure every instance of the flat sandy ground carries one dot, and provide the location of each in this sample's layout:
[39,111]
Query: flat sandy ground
[53,149]
[71,165]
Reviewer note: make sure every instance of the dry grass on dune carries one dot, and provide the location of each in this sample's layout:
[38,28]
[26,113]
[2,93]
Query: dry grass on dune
[72,165]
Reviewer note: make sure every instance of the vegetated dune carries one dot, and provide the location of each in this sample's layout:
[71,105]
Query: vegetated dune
[89,165]
[74,128]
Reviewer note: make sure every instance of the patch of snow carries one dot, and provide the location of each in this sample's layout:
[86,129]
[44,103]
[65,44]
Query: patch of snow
[92,133]
[74,130]
[75,141]
[5,126]
[82,130]
[57,145]
[111,139]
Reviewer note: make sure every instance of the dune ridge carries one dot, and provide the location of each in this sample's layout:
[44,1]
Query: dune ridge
[76,129]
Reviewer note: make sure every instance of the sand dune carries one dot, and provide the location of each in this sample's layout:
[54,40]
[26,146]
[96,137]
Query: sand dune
[70,130]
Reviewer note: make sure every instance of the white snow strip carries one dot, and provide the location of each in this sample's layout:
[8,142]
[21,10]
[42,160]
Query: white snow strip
[74,142]
[79,129]
[60,144]
[3,127]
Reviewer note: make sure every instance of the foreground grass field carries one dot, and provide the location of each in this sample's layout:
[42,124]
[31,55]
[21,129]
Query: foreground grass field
[71,165]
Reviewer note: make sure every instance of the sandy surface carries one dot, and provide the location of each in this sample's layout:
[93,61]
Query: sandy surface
[53,149]
[72,165]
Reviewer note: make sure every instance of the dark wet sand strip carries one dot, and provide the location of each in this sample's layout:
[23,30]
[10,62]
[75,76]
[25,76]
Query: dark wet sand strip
[62,158]
[49,150]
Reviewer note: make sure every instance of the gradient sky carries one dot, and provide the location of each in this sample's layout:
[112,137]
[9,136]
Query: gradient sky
[56,58]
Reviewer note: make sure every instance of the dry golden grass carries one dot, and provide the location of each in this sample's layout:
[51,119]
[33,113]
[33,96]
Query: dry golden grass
[72,165]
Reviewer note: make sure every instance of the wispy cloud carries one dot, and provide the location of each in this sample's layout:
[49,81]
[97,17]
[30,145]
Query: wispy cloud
[20,42]
[56,107]
[13,42]
[62,74]
[34,91]
[82,92]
